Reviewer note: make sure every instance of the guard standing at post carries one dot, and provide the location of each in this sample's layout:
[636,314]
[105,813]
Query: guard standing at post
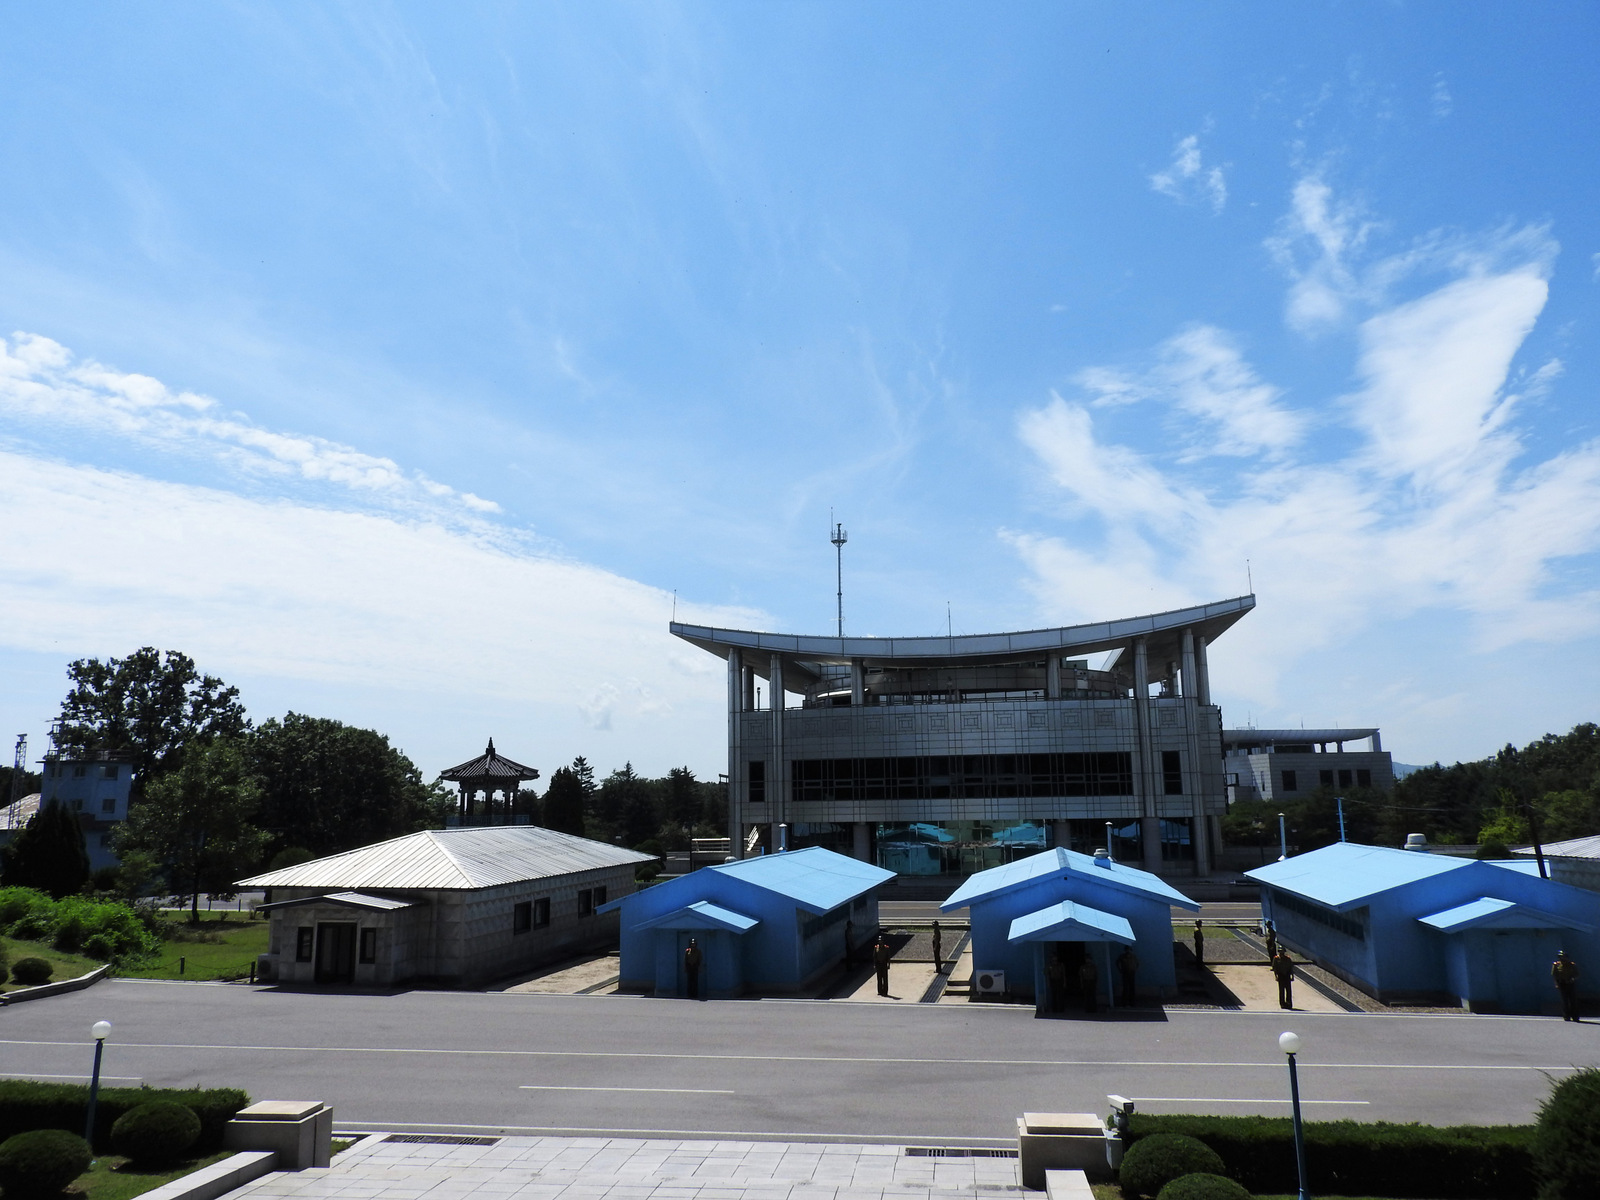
[938,950]
[1199,944]
[692,958]
[1272,942]
[1564,972]
[881,955]
[1089,981]
[1283,972]
[1128,965]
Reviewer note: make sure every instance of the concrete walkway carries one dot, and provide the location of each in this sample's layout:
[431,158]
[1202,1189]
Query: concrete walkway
[555,1168]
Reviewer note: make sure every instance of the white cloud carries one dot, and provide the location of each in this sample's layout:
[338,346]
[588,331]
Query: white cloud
[1433,509]
[42,383]
[1441,101]
[1314,243]
[1188,180]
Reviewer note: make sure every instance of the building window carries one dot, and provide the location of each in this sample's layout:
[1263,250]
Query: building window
[962,776]
[1344,779]
[1289,782]
[110,770]
[522,917]
[599,896]
[1171,773]
[305,939]
[1325,778]
[541,912]
[758,782]
[586,902]
[369,945]
[1363,778]
[108,805]
[78,772]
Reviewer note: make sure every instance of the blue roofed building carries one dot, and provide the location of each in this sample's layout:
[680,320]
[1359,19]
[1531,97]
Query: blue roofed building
[1069,905]
[775,923]
[1410,925]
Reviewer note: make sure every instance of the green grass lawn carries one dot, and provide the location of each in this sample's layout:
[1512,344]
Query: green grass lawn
[110,1178]
[222,945]
[66,966]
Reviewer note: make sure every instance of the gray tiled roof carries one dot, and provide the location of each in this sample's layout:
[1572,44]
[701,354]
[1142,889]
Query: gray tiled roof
[491,764]
[454,859]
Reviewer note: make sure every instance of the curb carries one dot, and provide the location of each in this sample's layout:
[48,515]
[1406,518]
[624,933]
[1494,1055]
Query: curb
[219,1178]
[52,989]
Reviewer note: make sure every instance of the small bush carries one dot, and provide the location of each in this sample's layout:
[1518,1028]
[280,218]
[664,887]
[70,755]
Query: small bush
[155,1134]
[1201,1186]
[1153,1162]
[100,946]
[1566,1142]
[30,971]
[41,1163]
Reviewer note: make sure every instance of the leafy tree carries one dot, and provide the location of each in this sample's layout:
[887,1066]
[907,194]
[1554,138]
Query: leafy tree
[563,802]
[196,821]
[1569,813]
[330,787]
[151,705]
[1506,825]
[48,854]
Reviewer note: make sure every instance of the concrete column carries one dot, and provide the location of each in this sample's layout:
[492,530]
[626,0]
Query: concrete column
[778,767]
[749,687]
[1202,671]
[860,842]
[1063,834]
[1190,689]
[858,682]
[1052,677]
[1199,838]
[739,694]
[1377,744]
[1144,789]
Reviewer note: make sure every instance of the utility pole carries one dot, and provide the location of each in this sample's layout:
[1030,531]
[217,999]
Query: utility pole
[839,538]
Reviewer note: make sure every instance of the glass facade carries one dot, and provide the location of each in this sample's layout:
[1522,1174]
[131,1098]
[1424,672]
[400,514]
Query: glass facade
[961,776]
[955,847]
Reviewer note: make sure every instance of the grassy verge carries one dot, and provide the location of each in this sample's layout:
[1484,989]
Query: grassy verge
[220,946]
[66,966]
[111,1178]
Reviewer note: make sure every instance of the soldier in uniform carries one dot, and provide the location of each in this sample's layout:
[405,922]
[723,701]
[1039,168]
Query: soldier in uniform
[938,950]
[881,956]
[1089,981]
[1128,965]
[1283,972]
[692,958]
[1272,942]
[1199,944]
[1564,972]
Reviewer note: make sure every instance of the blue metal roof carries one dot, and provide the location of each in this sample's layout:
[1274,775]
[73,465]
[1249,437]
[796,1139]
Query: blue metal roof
[1492,913]
[1069,922]
[1346,875]
[703,914]
[816,879]
[1065,863]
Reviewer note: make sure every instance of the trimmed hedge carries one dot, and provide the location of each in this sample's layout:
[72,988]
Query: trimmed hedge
[1349,1158]
[155,1134]
[41,1162]
[1153,1162]
[32,971]
[1203,1186]
[1566,1148]
[26,1105]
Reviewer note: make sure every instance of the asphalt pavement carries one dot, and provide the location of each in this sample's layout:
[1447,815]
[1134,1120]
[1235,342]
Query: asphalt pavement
[786,1070]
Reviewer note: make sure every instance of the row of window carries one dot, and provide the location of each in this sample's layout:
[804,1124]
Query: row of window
[1358,778]
[535,914]
[974,776]
[1348,926]
[108,805]
[305,944]
[80,771]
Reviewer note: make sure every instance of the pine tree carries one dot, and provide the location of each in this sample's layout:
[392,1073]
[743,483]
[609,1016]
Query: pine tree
[563,802]
[48,854]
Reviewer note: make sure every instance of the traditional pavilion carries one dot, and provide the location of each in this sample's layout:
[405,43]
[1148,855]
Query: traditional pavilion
[489,775]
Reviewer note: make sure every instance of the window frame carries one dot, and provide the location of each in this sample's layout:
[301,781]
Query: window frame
[521,917]
[305,942]
[541,912]
[367,945]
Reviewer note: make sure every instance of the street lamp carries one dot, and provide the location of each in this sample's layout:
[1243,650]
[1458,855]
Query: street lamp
[1289,1043]
[101,1031]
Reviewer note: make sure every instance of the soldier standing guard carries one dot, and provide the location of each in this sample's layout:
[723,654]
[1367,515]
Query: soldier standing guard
[1089,981]
[1283,972]
[1128,964]
[938,950]
[1272,942]
[881,955]
[692,958]
[1564,972]
[1199,944]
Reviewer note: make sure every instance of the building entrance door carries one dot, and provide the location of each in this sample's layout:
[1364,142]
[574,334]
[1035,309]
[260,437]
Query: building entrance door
[336,952]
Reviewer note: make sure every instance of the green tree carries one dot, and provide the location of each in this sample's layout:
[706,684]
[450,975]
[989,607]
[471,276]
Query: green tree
[330,787]
[1506,825]
[151,705]
[563,802]
[197,821]
[681,801]
[48,854]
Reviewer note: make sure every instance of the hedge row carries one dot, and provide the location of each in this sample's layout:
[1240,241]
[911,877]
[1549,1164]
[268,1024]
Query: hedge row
[26,1105]
[1348,1158]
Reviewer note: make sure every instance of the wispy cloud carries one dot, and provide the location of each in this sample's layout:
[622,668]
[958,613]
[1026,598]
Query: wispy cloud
[1315,243]
[1441,102]
[1187,180]
[43,384]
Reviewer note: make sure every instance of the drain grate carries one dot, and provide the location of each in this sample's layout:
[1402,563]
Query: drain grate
[955,1152]
[442,1139]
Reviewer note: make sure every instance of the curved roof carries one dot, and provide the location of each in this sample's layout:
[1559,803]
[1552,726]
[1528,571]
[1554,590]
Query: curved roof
[489,765]
[1301,737]
[1164,632]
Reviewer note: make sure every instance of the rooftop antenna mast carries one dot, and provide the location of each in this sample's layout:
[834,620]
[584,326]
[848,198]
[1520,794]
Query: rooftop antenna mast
[838,539]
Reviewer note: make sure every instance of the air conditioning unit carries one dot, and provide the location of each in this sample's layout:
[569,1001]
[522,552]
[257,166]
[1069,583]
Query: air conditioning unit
[990,983]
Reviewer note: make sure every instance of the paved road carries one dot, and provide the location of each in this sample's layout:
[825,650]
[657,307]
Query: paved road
[787,1069]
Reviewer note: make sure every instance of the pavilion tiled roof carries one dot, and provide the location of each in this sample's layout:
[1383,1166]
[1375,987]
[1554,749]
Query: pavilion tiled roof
[489,765]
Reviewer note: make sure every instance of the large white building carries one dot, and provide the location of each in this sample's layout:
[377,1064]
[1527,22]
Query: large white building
[949,755]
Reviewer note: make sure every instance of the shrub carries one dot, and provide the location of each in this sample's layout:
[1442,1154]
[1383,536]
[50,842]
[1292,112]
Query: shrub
[1346,1158]
[1153,1162]
[25,1104]
[41,1162]
[31,971]
[155,1134]
[100,946]
[70,933]
[31,928]
[5,969]
[1566,1141]
[1201,1186]
[18,902]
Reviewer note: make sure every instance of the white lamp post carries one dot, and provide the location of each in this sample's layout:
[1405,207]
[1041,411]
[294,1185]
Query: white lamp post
[1289,1043]
[101,1031]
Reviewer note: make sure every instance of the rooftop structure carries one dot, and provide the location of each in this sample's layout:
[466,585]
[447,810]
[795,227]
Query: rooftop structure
[1278,764]
[948,755]
[490,774]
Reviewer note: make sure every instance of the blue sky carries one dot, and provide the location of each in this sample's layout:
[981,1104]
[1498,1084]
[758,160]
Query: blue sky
[400,363]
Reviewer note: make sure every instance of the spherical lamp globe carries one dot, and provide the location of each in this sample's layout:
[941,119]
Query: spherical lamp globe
[1289,1043]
